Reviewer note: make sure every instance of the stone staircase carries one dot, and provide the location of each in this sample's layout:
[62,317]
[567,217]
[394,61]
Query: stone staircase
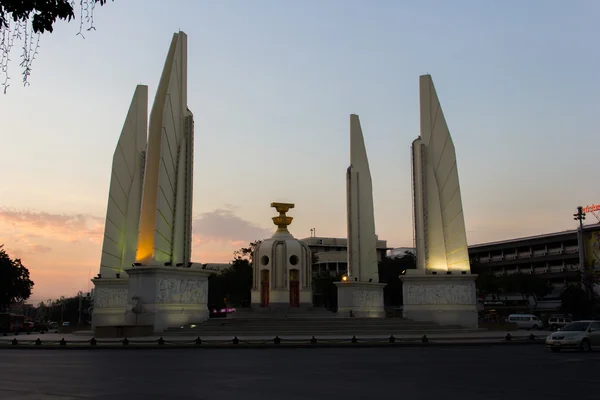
[309,323]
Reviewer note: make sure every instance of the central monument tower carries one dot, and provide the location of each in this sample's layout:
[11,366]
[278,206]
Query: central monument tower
[281,268]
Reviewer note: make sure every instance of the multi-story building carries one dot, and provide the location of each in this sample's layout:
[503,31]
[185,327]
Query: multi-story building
[330,254]
[552,256]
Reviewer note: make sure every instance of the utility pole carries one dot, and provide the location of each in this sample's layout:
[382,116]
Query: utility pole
[580,216]
[79,295]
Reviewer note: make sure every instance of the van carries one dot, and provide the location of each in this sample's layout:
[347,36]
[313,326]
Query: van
[526,321]
[558,321]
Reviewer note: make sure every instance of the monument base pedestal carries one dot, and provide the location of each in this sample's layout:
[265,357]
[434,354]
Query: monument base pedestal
[360,299]
[443,299]
[110,302]
[167,297]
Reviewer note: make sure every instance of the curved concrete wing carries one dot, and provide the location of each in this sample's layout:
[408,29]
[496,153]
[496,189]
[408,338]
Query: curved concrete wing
[362,240]
[124,196]
[439,220]
[165,220]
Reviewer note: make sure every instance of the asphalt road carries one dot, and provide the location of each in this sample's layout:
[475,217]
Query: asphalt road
[484,373]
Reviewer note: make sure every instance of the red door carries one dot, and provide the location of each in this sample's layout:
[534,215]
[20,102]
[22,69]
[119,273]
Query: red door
[264,288]
[294,289]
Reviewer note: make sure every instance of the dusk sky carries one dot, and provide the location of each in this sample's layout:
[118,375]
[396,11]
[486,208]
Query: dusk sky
[271,86]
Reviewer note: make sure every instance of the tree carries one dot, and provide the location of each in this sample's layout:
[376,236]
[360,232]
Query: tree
[246,252]
[235,282]
[15,284]
[25,21]
[575,301]
[390,269]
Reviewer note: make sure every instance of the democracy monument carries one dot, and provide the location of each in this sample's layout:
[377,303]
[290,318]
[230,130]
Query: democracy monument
[147,282]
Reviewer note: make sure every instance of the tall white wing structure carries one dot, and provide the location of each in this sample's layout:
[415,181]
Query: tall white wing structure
[125,193]
[439,221]
[362,241]
[165,217]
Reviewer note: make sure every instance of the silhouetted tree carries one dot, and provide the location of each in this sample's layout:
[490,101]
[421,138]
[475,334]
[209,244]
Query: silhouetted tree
[25,20]
[575,301]
[15,284]
[235,282]
[390,271]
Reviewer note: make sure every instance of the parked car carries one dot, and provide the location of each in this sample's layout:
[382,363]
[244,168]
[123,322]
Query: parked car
[580,335]
[526,321]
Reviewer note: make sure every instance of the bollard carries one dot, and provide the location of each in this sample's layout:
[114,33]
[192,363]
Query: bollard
[161,341]
[38,342]
[508,337]
[198,340]
[392,339]
[62,342]
[277,340]
[313,340]
[15,342]
[93,341]
[236,340]
[424,339]
[354,340]
[125,342]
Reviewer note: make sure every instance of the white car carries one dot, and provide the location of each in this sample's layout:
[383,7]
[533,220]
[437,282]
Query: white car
[580,335]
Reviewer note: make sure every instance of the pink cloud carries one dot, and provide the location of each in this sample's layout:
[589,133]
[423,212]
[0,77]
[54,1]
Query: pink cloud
[62,251]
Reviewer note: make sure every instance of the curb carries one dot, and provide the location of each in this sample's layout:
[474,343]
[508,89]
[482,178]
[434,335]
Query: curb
[121,345]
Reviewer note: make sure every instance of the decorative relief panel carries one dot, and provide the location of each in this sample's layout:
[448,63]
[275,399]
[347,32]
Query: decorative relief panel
[368,298]
[182,291]
[110,298]
[440,294]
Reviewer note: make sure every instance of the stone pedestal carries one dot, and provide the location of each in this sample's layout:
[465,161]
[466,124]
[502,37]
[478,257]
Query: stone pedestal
[110,302]
[443,299]
[360,299]
[167,297]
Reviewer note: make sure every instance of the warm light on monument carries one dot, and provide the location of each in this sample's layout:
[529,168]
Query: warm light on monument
[362,295]
[148,225]
[441,289]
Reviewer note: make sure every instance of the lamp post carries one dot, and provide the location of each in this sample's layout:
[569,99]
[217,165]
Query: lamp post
[580,216]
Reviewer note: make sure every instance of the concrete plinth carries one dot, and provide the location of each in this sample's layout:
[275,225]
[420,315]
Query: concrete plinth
[167,297]
[443,299]
[110,302]
[360,299]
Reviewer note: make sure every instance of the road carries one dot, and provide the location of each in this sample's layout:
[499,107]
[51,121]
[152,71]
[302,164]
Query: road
[481,372]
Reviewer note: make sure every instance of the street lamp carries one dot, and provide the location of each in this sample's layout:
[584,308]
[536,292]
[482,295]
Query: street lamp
[580,216]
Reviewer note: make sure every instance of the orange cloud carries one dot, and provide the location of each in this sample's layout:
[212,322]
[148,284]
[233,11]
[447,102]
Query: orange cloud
[63,251]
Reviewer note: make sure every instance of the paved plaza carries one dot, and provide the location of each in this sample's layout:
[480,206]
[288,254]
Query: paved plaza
[481,372]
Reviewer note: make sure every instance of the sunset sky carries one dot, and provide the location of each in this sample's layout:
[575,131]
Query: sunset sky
[271,86]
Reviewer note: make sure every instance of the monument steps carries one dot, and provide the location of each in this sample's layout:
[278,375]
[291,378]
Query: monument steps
[310,326]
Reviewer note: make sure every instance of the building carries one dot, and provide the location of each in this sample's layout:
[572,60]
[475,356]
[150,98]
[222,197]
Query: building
[552,256]
[330,255]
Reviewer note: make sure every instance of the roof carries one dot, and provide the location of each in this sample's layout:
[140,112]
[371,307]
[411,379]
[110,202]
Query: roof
[591,227]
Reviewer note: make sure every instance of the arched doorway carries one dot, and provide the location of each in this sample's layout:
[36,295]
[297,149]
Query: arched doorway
[264,288]
[294,288]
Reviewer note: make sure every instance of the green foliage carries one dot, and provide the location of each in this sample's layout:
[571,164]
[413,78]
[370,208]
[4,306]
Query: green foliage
[43,13]
[15,284]
[25,21]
